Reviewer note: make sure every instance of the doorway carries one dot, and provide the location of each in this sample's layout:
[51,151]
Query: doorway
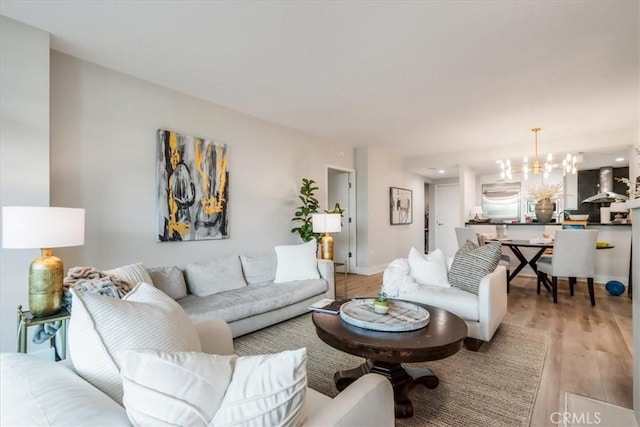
[341,189]
[447,217]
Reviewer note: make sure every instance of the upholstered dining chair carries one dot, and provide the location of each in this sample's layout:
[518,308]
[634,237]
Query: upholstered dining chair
[466,233]
[574,253]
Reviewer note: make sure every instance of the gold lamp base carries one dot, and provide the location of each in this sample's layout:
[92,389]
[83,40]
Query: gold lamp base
[326,247]
[45,284]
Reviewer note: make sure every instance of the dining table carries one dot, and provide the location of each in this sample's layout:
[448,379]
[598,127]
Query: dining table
[541,246]
[516,245]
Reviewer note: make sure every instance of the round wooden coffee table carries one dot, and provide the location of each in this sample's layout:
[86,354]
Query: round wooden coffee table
[386,351]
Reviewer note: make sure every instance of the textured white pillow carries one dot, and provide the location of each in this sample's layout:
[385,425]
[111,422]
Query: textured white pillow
[168,389]
[430,269]
[266,390]
[296,262]
[100,326]
[177,389]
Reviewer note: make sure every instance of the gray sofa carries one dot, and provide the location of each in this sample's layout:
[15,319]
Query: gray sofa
[241,291]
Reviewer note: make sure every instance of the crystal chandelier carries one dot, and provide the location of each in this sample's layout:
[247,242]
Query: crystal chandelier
[506,170]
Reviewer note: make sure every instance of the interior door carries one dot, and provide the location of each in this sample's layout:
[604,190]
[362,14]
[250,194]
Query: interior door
[339,190]
[447,217]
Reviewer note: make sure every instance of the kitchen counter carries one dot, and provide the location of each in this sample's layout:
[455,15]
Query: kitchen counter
[611,264]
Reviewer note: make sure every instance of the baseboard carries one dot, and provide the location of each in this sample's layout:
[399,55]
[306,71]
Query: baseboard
[368,271]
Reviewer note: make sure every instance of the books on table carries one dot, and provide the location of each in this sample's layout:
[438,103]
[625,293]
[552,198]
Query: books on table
[327,305]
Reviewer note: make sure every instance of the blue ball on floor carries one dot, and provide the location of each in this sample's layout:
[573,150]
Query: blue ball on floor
[614,287]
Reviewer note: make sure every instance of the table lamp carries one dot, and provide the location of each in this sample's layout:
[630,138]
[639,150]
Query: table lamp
[326,223]
[45,228]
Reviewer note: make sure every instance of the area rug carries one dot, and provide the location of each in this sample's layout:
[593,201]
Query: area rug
[495,386]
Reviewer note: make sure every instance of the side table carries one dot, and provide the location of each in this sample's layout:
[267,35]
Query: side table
[346,273]
[26,319]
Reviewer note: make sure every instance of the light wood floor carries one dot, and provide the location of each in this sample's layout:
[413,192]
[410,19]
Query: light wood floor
[589,349]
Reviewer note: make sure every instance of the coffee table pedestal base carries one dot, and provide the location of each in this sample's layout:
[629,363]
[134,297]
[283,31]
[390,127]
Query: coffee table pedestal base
[402,380]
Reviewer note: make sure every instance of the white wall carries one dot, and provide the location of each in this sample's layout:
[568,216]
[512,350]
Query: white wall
[103,139]
[24,153]
[468,188]
[377,170]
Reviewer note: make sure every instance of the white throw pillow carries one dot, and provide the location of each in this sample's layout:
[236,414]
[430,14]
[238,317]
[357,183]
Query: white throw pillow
[266,390]
[168,389]
[100,326]
[296,262]
[177,389]
[430,269]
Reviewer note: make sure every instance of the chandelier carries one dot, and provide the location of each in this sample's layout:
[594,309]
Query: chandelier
[568,164]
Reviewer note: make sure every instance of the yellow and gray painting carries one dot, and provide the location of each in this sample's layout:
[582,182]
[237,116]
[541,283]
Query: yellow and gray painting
[193,183]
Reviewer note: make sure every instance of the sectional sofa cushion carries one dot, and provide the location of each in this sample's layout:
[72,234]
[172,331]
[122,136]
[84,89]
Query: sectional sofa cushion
[169,280]
[212,277]
[297,262]
[471,265]
[101,326]
[250,300]
[131,273]
[259,268]
[169,389]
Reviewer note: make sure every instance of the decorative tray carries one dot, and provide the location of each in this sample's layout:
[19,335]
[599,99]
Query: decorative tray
[402,316]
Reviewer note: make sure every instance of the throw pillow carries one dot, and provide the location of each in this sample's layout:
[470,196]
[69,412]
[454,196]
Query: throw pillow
[169,280]
[168,389]
[430,269]
[101,326]
[212,277]
[259,268]
[296,262]
[132,274]
[471,265]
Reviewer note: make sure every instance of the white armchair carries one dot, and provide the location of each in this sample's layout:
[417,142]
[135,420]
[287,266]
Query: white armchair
[36,391]
[482,313]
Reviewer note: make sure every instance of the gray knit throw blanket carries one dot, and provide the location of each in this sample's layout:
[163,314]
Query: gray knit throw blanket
[85,279]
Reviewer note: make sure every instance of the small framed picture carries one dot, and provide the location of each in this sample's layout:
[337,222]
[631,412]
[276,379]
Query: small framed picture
[400,206]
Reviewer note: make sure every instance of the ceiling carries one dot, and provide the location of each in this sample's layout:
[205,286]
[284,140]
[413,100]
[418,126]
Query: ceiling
[433,81]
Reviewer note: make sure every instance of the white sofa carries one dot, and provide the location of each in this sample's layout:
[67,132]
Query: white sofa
[482,313]
[35,392]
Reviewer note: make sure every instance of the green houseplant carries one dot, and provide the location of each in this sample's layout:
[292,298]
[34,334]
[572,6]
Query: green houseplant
[381,303]
[303,212]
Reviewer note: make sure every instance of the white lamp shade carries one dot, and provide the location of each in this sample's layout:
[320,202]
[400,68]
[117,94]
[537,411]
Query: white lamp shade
[29,227]
[326,223]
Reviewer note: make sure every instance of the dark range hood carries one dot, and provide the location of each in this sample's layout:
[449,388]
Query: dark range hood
[605,192]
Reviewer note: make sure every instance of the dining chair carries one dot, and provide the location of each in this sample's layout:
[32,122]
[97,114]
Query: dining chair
[574,253]
[467,233]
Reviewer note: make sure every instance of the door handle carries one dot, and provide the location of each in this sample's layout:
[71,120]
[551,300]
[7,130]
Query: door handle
[440,223]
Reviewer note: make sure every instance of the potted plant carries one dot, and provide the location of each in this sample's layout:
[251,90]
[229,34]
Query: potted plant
[381,303]
[306,210]
[543,193]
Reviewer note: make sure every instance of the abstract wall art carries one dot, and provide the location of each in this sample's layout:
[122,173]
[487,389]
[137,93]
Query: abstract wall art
[193,188]
[400,206]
